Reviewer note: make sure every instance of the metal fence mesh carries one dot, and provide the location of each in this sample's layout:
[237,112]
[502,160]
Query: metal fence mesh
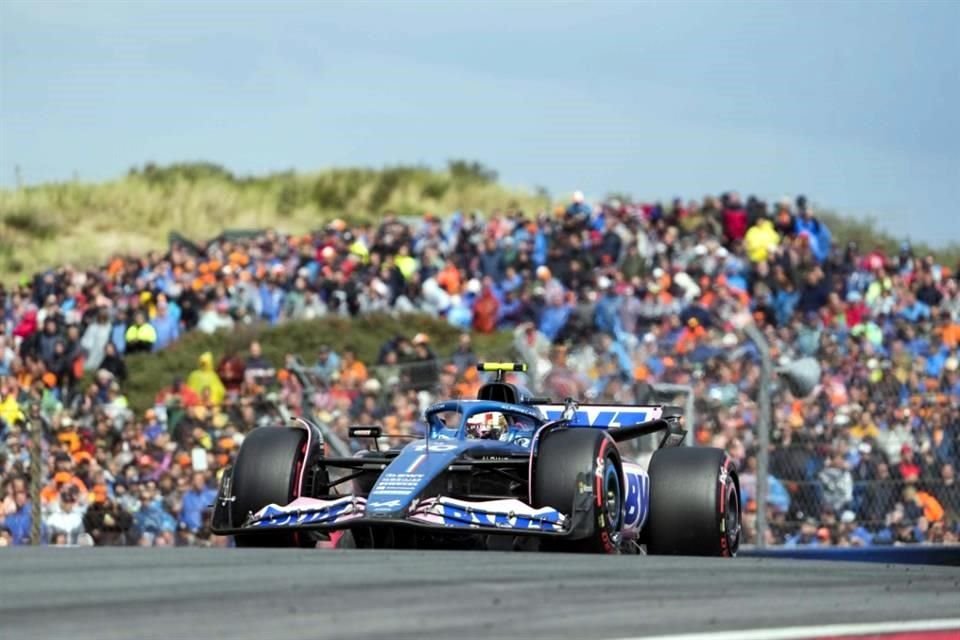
[842,485]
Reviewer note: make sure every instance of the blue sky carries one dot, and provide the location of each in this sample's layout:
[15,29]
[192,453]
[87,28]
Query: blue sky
[853,103]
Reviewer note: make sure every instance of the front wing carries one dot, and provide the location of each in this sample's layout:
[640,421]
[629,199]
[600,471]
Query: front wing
[507,516]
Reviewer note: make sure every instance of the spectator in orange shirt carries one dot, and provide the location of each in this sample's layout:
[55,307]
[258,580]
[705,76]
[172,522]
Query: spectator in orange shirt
[50,493]
[449,278]
[920,503]
[950,334]
[485,311]
[469,383]
[691,334]
[352,371]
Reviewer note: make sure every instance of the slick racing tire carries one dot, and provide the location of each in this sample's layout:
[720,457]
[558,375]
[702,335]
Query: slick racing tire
[694,503]
[568,457]
[266,472]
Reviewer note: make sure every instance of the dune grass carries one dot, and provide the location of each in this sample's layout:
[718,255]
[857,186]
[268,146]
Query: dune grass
[82,224]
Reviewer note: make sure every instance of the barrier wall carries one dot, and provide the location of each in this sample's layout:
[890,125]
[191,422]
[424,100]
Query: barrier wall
[914,554]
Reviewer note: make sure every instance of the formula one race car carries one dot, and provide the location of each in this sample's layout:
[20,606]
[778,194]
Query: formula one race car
[506,467]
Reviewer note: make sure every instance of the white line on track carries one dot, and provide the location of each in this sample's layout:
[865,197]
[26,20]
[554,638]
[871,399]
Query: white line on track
[813,631]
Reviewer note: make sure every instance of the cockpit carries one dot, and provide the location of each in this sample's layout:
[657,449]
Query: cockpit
[502,411]
[481,420]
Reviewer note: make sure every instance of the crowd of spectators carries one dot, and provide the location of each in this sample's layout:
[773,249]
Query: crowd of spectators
[602,302]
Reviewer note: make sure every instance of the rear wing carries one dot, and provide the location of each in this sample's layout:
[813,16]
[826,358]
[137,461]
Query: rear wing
[625,422]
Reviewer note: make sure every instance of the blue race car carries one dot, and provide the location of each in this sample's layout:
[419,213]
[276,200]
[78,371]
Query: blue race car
[503,470]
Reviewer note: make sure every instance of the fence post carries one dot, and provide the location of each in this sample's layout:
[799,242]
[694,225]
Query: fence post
[763,430]
[36,480]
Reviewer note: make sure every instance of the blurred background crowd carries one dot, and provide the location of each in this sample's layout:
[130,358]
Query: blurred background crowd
[604,301]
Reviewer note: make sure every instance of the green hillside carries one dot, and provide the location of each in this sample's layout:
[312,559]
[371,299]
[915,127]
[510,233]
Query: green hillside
[80,223]
[151,372]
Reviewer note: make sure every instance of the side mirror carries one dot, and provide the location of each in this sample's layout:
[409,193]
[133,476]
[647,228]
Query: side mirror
[372,431]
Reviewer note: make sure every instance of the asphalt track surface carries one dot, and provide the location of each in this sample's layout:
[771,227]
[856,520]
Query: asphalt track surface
[271,594]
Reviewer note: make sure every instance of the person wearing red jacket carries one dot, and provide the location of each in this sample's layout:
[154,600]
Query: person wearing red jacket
[909,466]
[27,326]
[735,220]
[179,391]
[485,311]
[857,310]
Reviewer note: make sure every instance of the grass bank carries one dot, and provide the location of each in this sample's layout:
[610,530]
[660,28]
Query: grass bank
[148,373]
[81,223]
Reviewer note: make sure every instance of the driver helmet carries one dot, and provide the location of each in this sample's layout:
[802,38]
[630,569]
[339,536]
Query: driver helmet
[489,425]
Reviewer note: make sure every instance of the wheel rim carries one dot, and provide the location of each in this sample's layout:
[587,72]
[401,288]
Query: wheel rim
[732,518]
[611,491]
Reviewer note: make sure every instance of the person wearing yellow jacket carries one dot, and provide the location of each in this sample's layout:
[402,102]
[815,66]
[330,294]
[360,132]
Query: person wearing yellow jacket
[760,239]
[359,249]
[405,262]
[9,407]
[140,336]
[205,376]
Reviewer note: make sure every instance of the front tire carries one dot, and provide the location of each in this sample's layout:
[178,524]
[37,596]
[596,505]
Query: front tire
[694,503]
[564,458]
[266,472]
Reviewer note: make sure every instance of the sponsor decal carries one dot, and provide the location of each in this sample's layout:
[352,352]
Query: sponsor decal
[383,504]
[416,463]
[722,490]
[598,478]
[395,483]
[435,446]
[498,514]
[635,505]
[307,511]
[610,417]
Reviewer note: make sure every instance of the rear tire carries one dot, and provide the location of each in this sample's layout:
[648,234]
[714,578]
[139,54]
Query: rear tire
[694,503]
[266,472]
[562,457]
